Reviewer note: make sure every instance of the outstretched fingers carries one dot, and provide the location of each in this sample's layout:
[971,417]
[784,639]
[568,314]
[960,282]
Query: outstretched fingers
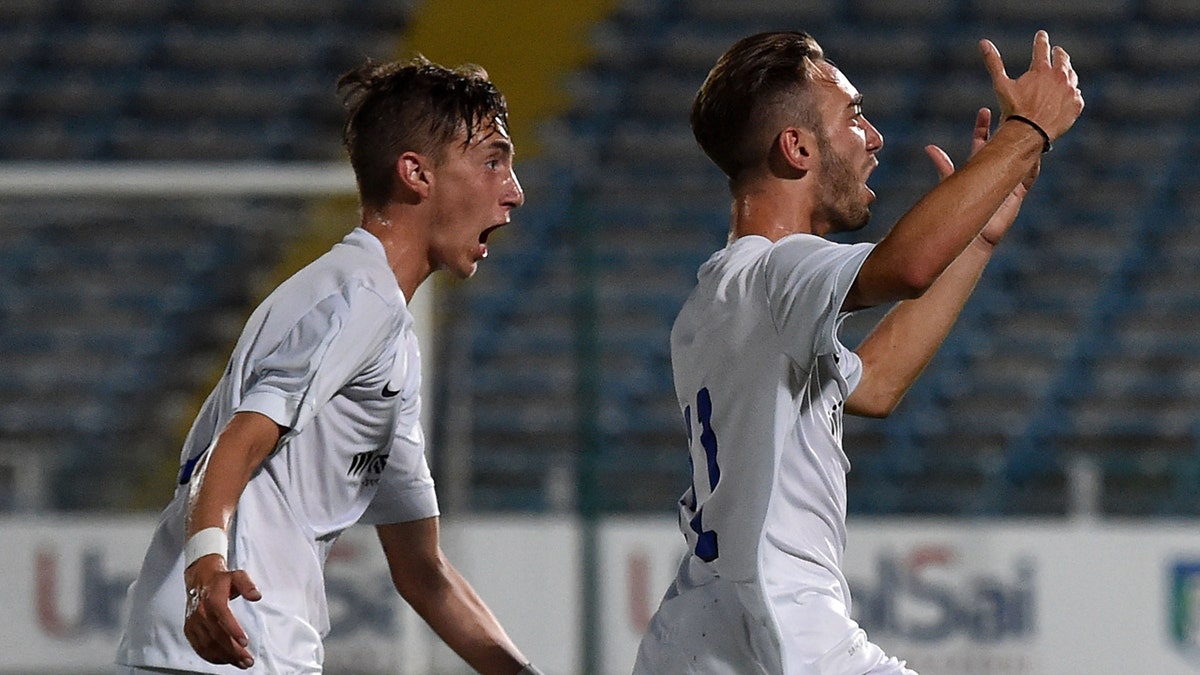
[1047,94]
[1062,60]
[983,130]
[1041,49]
[992,61]
[1001,83]
[941,161]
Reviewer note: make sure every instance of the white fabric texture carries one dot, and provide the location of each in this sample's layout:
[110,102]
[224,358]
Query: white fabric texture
[762,381]
[331,356]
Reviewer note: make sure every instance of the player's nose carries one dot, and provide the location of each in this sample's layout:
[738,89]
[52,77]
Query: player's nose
[514,196]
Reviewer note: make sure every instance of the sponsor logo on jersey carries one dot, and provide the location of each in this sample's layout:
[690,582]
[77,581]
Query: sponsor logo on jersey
[388,392]
[370,462]
[1184,607]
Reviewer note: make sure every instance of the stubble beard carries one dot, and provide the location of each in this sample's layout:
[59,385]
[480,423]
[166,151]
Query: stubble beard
[841,204]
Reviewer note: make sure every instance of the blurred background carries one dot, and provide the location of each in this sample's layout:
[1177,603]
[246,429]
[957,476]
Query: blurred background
[165,163]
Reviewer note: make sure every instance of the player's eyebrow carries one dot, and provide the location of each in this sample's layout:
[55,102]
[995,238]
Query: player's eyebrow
[856,102]
[501,145]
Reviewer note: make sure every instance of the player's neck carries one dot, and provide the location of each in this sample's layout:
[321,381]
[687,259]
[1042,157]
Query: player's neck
[407,253]
[773,213]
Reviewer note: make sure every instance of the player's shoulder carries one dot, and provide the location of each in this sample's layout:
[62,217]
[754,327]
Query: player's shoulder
[800,245]
[356,266]
[809,252]
[754,250]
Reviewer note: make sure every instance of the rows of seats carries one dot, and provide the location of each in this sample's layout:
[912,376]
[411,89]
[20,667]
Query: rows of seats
[182,79]
[554,373]
[115,311]
[109,323]
[1079,341]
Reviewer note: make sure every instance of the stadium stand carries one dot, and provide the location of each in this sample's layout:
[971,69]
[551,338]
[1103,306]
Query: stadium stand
[114,312]
[1079,343]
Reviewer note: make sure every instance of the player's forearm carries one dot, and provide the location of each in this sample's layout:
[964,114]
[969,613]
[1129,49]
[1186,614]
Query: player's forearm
[246,441]
[932,235]
[461,619]
[896,352]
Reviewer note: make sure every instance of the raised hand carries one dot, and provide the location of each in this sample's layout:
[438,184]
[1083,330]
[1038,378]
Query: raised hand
[209,624]
[998,225]
[1047,94]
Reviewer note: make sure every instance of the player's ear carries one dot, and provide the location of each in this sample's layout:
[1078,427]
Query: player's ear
[413,173]
[798,148]
[794,153]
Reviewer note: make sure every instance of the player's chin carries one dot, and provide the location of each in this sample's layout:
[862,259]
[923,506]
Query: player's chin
[467,270]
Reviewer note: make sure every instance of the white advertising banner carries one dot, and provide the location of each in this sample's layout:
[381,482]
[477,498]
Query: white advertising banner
[977,597]
[997,598]
[638,560]
[961,597]
[65,583]
[64,590]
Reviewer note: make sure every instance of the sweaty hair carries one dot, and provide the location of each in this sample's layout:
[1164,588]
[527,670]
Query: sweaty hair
[760,82]
[417,106]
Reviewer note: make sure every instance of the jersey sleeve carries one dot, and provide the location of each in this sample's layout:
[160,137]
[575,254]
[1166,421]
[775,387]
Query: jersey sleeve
[807,281]
[290,380]
[850,365]
[406,490]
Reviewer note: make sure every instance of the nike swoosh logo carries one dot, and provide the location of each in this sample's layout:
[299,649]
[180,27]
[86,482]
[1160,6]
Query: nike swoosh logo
[388,393]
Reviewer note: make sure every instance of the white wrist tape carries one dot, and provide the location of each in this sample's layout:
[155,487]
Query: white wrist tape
[205,542]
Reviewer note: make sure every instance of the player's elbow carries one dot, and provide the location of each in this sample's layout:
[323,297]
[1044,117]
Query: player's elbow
[873,401]
[894,285]
[873,408]
[912,282]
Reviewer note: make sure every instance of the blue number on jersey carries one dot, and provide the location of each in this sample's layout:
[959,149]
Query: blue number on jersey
[706,540]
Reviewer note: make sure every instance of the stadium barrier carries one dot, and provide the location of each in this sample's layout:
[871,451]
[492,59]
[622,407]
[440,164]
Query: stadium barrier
[990,597]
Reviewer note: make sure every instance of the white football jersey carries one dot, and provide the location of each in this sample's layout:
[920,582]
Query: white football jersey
[330,355]
[762,381]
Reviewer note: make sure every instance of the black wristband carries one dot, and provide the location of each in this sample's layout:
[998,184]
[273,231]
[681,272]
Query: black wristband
[1046,146]
[530,669]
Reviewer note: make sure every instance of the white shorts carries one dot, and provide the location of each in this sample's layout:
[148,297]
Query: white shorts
[718,627]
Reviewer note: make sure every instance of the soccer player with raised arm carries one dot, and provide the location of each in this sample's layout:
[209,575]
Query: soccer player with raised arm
[315,424]
[760,374]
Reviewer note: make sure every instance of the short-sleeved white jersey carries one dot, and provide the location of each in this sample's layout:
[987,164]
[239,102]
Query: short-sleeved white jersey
[331,356]
[762,381]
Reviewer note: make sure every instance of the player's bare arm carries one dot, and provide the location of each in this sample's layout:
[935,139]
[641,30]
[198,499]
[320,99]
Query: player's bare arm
[445,600]
[210,626]
[899,347]
[944,222]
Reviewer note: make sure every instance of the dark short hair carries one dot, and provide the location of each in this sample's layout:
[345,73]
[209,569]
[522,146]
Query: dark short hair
[416,106]
[759,78]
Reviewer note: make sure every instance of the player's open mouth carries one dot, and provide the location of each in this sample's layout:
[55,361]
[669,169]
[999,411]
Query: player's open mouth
[483,250]
[484,235]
